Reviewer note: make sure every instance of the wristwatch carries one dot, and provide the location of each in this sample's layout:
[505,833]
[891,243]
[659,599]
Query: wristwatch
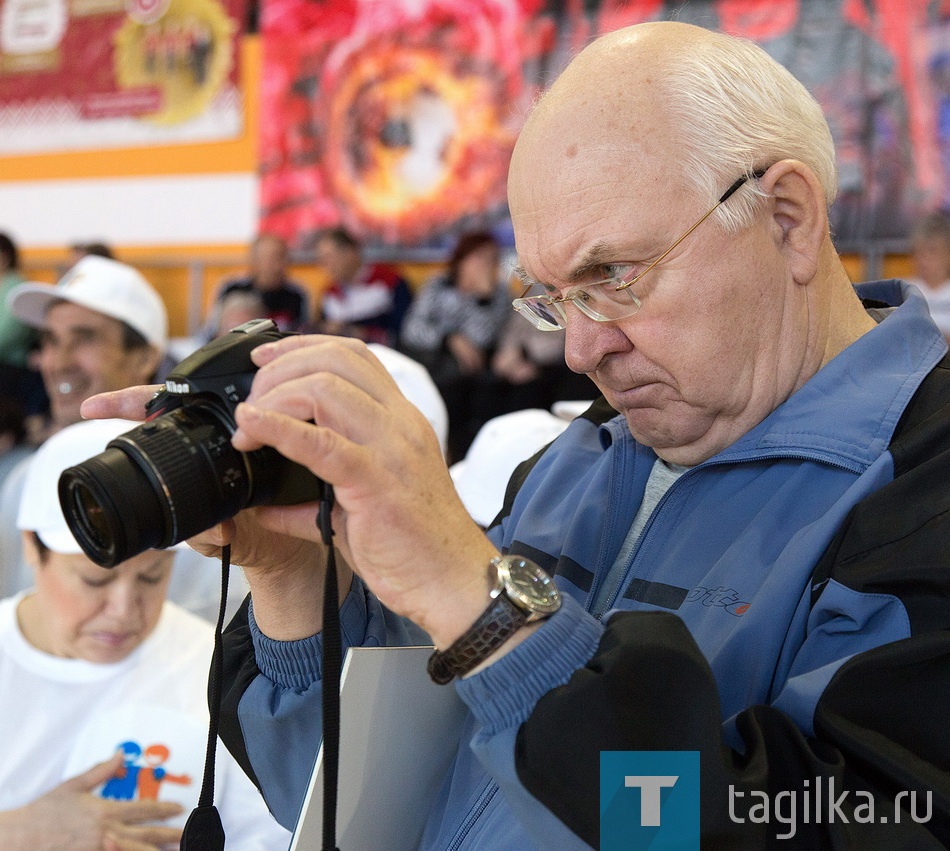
[521,592]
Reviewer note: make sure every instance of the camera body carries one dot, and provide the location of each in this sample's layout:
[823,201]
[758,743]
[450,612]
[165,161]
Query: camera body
[177,474]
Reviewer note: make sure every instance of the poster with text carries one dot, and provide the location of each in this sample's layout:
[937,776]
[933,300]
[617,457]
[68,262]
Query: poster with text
[92,74]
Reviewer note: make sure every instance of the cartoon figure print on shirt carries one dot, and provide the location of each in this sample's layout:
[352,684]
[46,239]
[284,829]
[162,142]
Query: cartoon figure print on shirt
[141,774]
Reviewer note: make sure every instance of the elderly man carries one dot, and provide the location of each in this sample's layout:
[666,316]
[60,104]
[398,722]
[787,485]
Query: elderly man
[762,494]
[363,300]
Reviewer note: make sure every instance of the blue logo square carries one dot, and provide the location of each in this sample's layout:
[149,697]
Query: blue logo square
[649,800]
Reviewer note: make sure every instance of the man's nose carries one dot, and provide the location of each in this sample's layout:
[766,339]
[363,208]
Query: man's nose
[587,341]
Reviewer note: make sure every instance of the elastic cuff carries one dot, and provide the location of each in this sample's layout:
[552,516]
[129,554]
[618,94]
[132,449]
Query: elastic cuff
[505,693]
[288,664]
[299,664]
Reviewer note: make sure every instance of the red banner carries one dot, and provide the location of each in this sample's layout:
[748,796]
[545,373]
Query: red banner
[78,74]
[397,118]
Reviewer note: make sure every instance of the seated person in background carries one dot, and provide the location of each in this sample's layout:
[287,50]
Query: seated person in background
[287,302]
[452,327]
[930,251]
[93,661]
[530,371]
[236,308]
[102,326]
[363,300]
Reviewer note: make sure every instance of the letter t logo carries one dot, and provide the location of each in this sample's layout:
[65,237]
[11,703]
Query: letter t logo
[650,786]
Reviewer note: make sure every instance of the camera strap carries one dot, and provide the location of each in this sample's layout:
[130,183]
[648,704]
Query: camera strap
[332,665]
[203,830]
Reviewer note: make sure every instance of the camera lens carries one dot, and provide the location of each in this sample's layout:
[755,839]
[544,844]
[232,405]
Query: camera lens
[155,486]
[170,479]
[91,516]
[104,500]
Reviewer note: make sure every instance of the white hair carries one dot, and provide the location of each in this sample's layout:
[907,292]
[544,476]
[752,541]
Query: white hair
[736,110]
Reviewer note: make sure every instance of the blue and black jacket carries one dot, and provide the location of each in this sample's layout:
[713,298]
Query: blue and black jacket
[785,612]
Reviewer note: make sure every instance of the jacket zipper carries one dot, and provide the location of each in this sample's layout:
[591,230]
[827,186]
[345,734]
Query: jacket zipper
[474,815]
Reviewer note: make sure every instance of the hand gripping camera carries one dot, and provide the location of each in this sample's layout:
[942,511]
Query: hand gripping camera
[177,474]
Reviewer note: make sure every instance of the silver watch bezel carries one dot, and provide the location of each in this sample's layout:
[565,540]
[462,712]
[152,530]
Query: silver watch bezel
[528,586]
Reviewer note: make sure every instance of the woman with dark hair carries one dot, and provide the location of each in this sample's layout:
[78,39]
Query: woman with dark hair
[452,327]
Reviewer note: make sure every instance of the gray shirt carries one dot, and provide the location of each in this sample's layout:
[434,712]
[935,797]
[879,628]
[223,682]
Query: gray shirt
[661,479]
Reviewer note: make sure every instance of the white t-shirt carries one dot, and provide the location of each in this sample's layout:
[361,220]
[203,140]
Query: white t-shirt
[59,717]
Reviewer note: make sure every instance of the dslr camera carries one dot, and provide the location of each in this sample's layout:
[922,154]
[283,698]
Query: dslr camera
[177,474]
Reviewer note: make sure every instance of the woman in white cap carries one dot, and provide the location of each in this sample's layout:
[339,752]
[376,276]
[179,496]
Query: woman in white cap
[103,692]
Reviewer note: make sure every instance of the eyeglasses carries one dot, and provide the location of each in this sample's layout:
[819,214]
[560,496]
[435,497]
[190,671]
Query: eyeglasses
[611,298]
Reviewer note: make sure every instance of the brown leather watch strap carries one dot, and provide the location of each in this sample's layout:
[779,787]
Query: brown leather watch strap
[494,627]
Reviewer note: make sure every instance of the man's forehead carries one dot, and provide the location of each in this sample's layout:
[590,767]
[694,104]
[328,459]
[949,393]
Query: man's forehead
[66,316]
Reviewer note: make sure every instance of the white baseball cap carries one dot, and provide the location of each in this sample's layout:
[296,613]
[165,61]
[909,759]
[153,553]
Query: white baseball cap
[481,477]
[40,511]
[103,285]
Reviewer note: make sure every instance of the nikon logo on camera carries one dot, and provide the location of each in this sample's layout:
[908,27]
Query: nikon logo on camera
[177,387]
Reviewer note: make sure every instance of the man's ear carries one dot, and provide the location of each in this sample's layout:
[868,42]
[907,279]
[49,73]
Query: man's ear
[800,215]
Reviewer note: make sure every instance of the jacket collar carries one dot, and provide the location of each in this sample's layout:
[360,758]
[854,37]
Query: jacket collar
[874,378]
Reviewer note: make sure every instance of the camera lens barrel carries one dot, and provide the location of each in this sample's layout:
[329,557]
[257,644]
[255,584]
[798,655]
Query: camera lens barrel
[155,486]
[103,500]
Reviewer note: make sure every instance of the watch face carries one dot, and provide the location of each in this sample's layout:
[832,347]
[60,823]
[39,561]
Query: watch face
[528,586]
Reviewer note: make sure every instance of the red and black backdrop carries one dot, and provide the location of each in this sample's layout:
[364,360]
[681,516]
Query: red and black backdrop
[396,118]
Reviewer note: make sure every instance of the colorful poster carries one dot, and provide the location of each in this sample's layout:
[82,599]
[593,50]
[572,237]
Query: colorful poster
[84,74]
[394,118]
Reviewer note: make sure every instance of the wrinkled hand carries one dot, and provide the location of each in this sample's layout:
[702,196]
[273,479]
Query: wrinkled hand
[329,404]
[70,816]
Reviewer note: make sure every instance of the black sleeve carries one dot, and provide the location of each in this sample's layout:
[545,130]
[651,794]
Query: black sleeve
[880,724]
[240,669]
[654,690]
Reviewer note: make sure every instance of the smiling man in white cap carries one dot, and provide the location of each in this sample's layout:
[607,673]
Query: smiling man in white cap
[102,327]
